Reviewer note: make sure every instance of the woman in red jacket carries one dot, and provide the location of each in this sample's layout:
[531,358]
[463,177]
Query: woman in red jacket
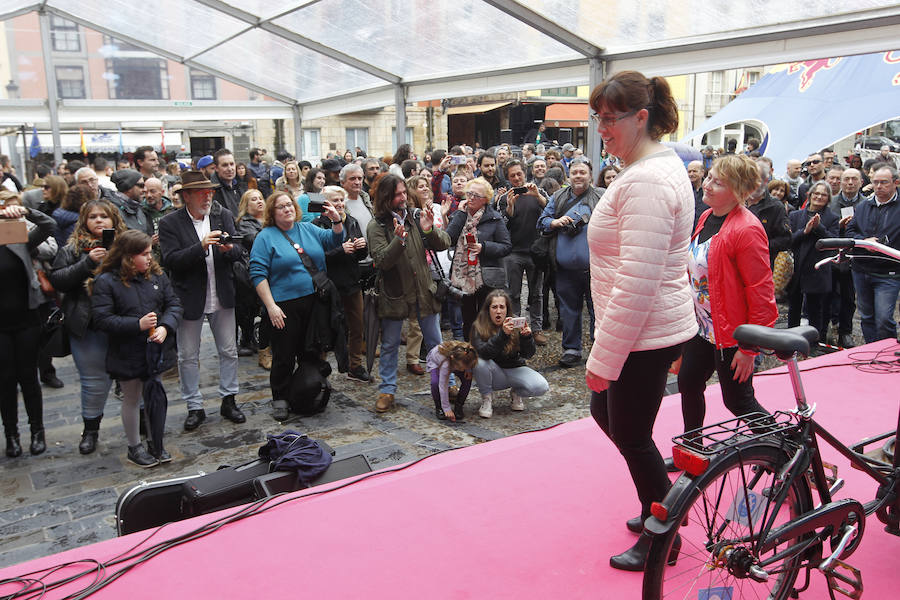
[732,283]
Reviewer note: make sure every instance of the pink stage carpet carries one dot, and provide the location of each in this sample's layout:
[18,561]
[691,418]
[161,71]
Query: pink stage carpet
[531,516]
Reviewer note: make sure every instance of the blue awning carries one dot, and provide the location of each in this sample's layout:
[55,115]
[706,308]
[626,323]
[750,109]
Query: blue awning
[810,105]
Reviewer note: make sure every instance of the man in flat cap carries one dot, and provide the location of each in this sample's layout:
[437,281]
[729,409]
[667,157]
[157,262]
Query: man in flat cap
[128,199]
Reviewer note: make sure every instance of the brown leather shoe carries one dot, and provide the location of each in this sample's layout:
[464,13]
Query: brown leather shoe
[415,369]
[384,403]
[540,338]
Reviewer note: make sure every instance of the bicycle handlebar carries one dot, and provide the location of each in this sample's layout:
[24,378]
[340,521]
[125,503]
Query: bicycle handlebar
[844,244]
[835,243]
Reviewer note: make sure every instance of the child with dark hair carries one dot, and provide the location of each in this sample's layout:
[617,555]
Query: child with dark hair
[460,359]
[134,303]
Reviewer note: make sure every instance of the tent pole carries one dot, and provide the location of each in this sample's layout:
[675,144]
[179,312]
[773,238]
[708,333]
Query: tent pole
[400,104]
[50,75]
[597,73]
[298,132]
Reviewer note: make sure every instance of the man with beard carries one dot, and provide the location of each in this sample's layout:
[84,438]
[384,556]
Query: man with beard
[200,267]
[487,166]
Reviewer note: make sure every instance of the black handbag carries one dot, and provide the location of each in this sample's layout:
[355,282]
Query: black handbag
[54,339]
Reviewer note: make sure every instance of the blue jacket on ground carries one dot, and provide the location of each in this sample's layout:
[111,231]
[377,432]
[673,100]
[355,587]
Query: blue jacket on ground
[274,259]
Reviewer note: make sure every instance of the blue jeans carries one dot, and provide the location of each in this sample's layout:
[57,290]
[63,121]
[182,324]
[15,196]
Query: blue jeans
[390,344]
[454,315]
[89,354]
[573,290]
[524,381]
[222,324]
[876,299]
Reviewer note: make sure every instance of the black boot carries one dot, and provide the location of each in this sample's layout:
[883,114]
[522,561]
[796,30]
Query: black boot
[89,436]
[438,411]
[13,446]
[635,557]
[635,525]
[38,444]
[230,411]
[458,411]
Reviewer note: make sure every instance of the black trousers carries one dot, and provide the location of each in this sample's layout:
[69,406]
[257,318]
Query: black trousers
[288,344]
[700,360]
[626,412]
[470,306]
[19,368]
[818,310]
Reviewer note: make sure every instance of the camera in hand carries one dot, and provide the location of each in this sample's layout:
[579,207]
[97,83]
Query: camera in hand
[457,159]
[575,226]
[520,189]
[227,238]
[107,237]
[316,203]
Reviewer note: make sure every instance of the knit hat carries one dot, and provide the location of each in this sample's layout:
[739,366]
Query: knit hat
[125,179]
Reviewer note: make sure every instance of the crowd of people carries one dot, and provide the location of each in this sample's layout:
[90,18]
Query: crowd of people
[473,242]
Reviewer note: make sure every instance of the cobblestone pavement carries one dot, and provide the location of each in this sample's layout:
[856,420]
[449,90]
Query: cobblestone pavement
[61,500]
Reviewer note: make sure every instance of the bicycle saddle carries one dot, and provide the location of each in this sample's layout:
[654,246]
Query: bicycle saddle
[784,342]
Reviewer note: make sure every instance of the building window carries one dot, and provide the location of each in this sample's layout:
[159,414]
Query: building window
[571,91]
[64,35]
[203,86]
[311,144]
[138,79]
[70,82]
[394,144]
[358,136]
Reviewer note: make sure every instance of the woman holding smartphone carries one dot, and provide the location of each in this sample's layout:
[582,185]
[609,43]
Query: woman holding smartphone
[481,240]
[503,343]
[98,223]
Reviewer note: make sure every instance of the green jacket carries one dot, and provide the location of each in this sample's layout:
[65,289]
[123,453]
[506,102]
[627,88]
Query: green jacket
[404,278]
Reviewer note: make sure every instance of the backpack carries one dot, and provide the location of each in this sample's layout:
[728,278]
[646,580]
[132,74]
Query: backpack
[310,390]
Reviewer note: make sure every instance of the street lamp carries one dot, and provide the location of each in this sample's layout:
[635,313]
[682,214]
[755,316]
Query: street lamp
[12,90]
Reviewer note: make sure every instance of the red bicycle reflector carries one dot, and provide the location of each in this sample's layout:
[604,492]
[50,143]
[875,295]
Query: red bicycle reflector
[687,461]
[659,510]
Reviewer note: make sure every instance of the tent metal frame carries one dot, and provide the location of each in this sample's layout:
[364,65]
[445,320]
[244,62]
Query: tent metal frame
[856,33]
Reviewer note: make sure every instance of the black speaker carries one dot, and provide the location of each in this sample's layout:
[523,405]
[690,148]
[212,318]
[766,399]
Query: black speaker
[565,136]
[506,136]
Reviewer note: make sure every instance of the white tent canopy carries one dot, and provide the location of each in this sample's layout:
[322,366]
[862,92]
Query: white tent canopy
[325,57]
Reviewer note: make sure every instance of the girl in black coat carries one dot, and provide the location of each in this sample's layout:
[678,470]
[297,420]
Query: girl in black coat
[134,303]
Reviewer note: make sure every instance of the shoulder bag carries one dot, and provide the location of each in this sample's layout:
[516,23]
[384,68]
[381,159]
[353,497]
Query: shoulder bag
[324,286]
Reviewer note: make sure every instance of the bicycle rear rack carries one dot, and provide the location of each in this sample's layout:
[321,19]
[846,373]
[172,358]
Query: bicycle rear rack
[713,439]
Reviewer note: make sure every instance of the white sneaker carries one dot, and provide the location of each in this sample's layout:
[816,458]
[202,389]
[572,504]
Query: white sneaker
[517,403]
[486,410]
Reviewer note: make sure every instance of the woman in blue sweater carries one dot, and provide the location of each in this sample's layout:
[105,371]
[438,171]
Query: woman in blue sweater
[285,286]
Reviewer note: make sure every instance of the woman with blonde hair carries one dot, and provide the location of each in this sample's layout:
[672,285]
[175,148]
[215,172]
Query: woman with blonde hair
[481,240]
[731,281]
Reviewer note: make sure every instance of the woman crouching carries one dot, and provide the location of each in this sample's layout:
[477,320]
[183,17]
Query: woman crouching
[502,346]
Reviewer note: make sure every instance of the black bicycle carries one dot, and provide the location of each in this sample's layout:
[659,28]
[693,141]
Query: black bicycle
[743,513]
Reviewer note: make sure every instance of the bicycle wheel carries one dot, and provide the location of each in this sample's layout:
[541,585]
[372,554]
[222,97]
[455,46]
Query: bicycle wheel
[719,525]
